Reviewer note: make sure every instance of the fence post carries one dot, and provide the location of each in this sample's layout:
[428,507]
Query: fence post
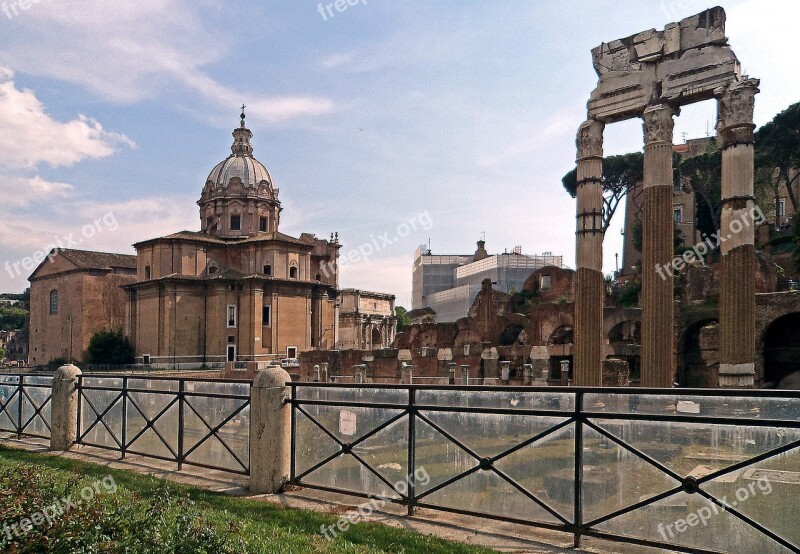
[64,408]
[270,431]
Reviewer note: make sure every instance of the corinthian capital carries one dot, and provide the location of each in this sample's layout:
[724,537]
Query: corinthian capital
[590,139]
[658,124]
[736,104]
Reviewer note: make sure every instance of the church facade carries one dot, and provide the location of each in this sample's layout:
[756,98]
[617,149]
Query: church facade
[239,289]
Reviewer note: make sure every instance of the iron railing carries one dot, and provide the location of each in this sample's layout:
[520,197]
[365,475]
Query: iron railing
[198,422]
[626,465]
[25,404]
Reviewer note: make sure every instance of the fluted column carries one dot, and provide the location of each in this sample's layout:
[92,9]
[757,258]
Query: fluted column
[657,249]
[737,304]
[589,288]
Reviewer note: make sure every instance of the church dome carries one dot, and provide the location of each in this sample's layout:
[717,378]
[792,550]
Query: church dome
[247,168]
[240,163]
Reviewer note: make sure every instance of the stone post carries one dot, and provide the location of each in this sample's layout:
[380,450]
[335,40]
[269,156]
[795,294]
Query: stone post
[316,377]
[737,295]
[589,288]
[527,375]
[451,371]
[657,249]
[465,375]
[491,366]
[505,372]
[324,372]
[64,408]
[407,374]
[270,432]
[565,380]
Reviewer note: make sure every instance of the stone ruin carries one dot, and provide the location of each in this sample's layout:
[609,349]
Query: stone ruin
[651,75]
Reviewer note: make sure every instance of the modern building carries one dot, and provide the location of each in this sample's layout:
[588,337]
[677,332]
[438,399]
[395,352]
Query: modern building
[449,284]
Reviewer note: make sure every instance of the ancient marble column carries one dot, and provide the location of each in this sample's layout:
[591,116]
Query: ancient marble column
[589,291]
[737,301]
[657,249]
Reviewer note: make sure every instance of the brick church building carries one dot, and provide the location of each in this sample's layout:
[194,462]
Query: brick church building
[237,290]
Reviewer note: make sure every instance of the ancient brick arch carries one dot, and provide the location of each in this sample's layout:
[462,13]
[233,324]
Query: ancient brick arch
[698,350]
[651,75]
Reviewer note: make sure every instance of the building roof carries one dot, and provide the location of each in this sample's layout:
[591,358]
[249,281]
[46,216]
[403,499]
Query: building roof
[227,241]
[86,259]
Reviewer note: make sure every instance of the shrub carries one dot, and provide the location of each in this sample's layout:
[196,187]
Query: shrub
[109,347]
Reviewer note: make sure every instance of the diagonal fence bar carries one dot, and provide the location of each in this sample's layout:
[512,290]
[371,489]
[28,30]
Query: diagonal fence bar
[147,416]
[614,441]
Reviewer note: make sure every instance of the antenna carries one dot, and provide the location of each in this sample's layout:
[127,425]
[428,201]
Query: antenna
[483,236]
[683,136]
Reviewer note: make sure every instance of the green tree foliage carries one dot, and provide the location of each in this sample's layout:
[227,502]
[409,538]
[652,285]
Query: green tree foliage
[702,174]
[620,174]
[627,296]
[12,319]
[109,347]
[796,253]
[403,321]
[2,353]
[778,153]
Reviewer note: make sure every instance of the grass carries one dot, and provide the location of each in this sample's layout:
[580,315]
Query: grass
[176,518]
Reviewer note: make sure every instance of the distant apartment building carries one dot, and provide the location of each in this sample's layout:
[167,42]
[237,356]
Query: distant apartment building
[448,284]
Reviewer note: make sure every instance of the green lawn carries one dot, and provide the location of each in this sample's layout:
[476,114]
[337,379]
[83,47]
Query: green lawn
[146,514]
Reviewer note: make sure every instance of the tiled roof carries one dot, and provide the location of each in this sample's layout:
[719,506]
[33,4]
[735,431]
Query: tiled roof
[85,259]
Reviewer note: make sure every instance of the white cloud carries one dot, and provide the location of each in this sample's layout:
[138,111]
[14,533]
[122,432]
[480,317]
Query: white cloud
[22,191]
[31,136]
[127,52]
[98,226]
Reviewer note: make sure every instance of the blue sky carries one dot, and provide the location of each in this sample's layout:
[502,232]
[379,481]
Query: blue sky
[464,111]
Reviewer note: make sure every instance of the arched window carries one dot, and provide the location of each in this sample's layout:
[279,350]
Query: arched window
[53,302]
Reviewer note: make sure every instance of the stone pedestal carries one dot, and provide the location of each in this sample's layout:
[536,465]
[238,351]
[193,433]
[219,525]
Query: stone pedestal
[737,305]
[270,432]
[491,365]
[589,287]
[64,408]
[616,373]
[657,249]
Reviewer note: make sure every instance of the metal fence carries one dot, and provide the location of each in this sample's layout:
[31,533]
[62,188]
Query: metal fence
[198,422]
[25,404]
[703,471]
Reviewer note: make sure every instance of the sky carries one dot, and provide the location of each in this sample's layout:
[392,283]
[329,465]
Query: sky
[391,123]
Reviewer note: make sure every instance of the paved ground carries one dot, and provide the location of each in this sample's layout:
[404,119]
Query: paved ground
[503,537]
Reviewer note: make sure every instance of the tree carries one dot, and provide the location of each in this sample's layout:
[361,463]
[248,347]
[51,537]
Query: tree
[620,175]
[702,174]
[12,319]
[796,240]
[403,321]
[2,353]
[777,153]
[109,347]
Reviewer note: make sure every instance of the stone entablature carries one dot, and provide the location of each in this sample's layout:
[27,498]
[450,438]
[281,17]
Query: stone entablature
[367,320]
